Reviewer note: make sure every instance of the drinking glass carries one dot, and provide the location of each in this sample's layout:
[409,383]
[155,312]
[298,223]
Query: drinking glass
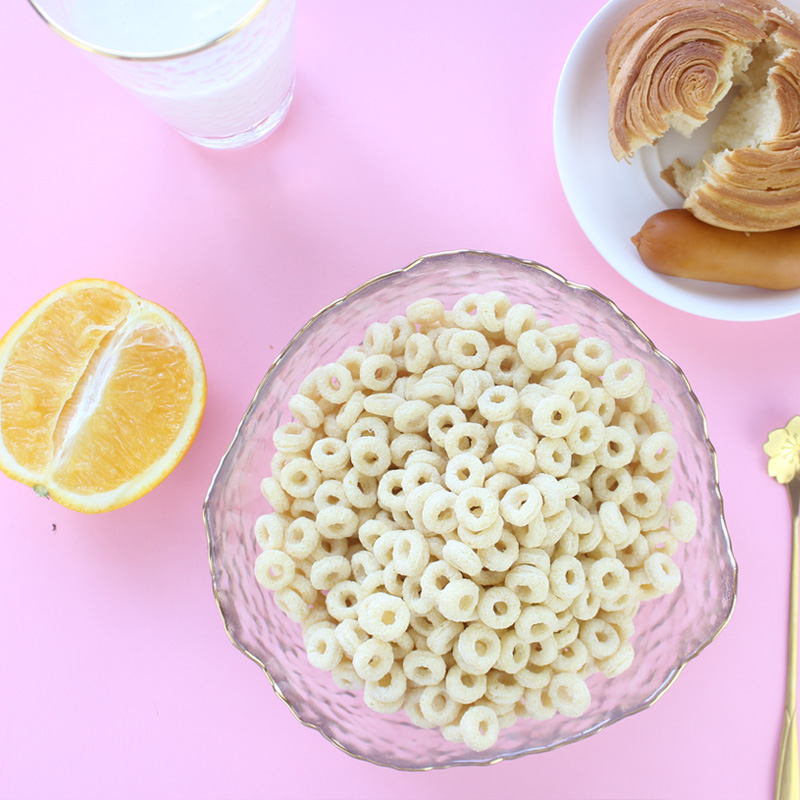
[221,72]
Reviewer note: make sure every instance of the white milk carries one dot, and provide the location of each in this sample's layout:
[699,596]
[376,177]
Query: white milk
[241,84]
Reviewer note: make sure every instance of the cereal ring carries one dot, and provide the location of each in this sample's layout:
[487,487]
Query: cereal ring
[389,689]
[275,495]
[384,616]
[306,410]
[401,329]
[476,508]
[553,457]
[301,539]
[477,648]
[437,706]
[274,569]
[499,608]
[458,600]
[291,604]
[382,404]
[533,676]
[571,657]
[600,637]
[465,312]
[300,478]
[378,338]
[270,530]
[466,437]
[350,635]
[564,336]
[682,521]
[411,416]
[514,653]
[514,460]
[617,448]
[444,634]
[411,553]
[435,578]
[461,557]
[519,318]
[537,352]
[593,355]
[424,668]
[349,412]
[370,456]
[438,512]
[492,310]
[479,727]
[586,605]
[330,493]
[341,600]
[569,694]
[623,378]
[404,444]
[468,349]
[619,662]
[330,455]
[645,499]
[502,688]
[323,649]
[498,403]
[657,418]
[464,687]
[662,572]
[586,434]
[521,504]
[390,491]
[554,416]
[529,583]
[500,556]
[469,386]
[567,577]
[328,571]
[535,624]
[464,471]
[612,485]
[538,704]
[418,353]
[504,365]
[293,437]
[544,652]
[335,383]
[608,578]
[426,311]
[337,522]
[345,677]
[435,390]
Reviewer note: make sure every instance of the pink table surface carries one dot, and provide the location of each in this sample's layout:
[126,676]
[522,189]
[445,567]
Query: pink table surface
[417,127]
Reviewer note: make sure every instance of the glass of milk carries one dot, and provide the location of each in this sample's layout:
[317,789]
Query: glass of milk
[221,72]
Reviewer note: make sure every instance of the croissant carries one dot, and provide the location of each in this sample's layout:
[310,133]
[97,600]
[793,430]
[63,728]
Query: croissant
[671,62]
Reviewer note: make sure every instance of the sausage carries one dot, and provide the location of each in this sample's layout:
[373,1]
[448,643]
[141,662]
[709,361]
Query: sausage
[674,242]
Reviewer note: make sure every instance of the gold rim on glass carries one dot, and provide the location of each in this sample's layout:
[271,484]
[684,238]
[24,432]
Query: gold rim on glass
[600,726]
[121,55]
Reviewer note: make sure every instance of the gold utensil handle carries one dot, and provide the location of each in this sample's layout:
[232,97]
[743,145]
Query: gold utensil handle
[787,783]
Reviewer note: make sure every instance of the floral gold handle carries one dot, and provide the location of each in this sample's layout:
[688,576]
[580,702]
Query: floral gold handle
[783,448]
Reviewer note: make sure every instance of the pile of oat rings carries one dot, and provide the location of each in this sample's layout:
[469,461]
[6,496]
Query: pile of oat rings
[468,510]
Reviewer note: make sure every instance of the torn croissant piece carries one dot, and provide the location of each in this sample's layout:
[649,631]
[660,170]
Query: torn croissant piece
[670,62]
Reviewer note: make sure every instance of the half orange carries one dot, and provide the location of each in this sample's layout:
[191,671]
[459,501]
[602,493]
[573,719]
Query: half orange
[101,395]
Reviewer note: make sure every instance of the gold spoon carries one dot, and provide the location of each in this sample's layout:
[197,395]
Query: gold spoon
[783,449]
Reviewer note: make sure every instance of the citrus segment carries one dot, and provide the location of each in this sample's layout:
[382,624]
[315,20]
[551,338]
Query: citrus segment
[101,394]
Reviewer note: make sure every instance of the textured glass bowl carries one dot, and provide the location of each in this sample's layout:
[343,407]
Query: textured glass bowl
[670,630]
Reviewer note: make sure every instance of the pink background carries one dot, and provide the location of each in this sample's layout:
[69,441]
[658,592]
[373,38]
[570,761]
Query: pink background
[417,127]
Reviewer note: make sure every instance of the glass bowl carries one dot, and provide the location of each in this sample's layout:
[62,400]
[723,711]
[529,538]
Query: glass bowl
[670,631]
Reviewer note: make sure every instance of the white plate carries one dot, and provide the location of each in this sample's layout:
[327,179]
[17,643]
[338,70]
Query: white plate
[611,200]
